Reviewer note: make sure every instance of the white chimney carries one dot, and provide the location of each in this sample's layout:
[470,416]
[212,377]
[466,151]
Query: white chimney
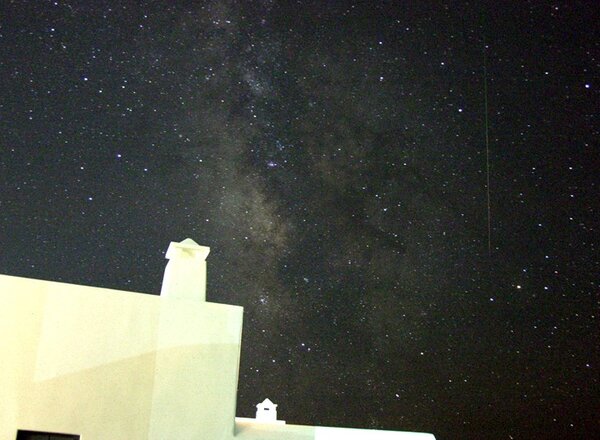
[266,412]
[185,274]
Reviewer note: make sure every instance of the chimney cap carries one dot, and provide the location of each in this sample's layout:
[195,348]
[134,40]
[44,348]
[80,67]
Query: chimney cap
[267,403]
[187,248]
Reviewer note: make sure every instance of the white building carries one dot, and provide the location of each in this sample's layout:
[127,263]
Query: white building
[89,363]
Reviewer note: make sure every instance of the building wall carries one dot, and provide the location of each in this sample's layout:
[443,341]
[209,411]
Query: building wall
[250,430]
[109,364]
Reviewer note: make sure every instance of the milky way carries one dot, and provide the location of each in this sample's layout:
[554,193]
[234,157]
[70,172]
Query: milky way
[333,156]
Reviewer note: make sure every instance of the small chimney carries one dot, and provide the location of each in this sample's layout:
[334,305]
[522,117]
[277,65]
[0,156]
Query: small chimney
[185,274]
[266,412]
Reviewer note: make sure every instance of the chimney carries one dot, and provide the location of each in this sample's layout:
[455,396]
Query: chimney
[266,412]
[185,274]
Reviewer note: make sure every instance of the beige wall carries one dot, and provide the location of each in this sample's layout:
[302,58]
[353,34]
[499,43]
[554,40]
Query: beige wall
[108,364]
[114,365]
[249,430]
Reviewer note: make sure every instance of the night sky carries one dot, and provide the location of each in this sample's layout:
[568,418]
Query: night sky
[333,156]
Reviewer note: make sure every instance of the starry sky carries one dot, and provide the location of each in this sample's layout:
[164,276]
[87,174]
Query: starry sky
[333,155]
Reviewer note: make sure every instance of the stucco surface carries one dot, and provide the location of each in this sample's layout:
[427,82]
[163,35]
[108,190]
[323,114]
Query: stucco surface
[249,430]
[109,364]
